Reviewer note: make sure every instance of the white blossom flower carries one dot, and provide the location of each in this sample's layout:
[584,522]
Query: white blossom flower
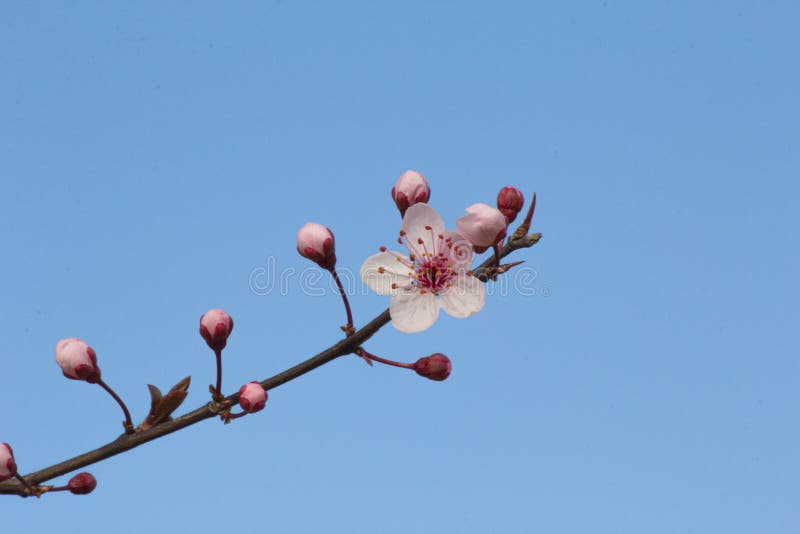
[434,275]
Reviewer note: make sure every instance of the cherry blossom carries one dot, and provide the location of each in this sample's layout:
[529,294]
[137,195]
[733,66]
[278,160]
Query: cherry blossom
[77,360]
[215,327]
[510,201]
[252,397]
[316,242]
[411,188]
[435,274]
[483,225]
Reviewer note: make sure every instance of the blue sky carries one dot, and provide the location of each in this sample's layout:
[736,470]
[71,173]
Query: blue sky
[644,379]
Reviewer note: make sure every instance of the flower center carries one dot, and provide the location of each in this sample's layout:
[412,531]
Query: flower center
[432,270]
[433,273]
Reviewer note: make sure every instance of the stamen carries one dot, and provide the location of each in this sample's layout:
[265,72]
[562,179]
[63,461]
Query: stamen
[411,248]
[421,242]
[402,259]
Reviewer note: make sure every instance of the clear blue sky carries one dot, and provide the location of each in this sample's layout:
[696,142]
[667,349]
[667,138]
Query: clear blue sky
[153,156]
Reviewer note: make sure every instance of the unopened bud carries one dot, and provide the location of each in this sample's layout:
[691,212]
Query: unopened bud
[252,397]
[411,188]
[316,243]
[510,202]
[8,468]
[82,483]
[215,327]
[77,360]
[436,366]
[483,225]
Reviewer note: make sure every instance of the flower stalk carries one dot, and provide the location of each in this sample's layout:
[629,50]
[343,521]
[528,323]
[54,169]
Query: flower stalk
[128,423]
[349,329]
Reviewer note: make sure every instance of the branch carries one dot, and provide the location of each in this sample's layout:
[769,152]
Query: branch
[346,346]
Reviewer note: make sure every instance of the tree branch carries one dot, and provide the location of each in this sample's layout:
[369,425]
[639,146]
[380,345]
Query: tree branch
[127,442]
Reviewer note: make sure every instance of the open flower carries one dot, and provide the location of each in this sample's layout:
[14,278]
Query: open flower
[434,275]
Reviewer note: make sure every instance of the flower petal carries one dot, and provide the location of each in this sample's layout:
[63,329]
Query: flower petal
[383,269]
[416,222]
[483,225]
[464,298]
[460,251]
[412,310]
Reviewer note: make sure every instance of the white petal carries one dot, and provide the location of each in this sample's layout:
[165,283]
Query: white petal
[464,298]
[383,269]
[413,311]
[418,218]
[460,251]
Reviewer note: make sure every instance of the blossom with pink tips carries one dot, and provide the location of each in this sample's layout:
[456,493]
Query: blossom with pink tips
[82,484]
[252,397]
[510,202]
[8,468]
[483,225]
[434,275]
[316,243]
[215,327]
[411,188]
[436,367]
[77,360]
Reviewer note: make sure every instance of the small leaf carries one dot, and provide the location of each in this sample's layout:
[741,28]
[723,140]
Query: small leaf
[155,396]
[161,407]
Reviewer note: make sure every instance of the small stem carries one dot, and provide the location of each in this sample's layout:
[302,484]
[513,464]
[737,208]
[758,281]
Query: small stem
[56,488]
[349,328]
[218,354]
[364,354]
[236,415]
[496,255]
[128,424]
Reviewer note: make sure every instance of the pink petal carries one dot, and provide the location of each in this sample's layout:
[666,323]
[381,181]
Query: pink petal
[460,252]
[412,310]
[464,298]
[415,223]
[483,225]
[383,269]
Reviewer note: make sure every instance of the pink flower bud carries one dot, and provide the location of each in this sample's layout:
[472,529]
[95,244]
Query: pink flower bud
[510,202]
[82,483]
[8,468]
[316,243]
[483,225]
[77,360]
[252,397]
[411,188]
[215,327]
[436,366]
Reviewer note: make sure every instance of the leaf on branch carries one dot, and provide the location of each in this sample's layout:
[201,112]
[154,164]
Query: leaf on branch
[162,406]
